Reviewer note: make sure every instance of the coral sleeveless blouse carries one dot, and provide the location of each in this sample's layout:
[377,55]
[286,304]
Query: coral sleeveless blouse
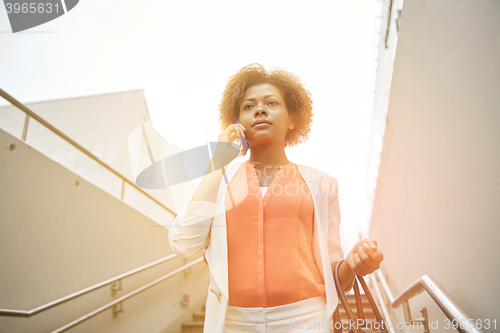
[270,240]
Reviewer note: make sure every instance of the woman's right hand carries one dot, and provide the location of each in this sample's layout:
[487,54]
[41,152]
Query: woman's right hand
[209,186]
[232,132]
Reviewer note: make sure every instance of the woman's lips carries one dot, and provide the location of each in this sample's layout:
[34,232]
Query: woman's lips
[262,125]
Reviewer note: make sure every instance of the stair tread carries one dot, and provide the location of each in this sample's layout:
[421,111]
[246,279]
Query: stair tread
[365,310]
[199,316]
[367,315]
[192,323]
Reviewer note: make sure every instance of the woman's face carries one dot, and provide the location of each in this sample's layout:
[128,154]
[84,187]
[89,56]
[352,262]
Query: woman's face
[264,114]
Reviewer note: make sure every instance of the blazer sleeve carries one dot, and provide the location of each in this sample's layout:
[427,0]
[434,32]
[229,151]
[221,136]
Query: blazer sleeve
[190,230]
[334,244]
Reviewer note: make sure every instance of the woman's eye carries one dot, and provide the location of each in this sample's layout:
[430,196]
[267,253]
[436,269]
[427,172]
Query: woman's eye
[248,106]
[272,102]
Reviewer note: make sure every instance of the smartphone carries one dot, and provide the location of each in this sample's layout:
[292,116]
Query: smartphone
[243,140]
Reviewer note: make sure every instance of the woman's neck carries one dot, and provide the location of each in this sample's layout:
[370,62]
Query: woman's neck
[268,154]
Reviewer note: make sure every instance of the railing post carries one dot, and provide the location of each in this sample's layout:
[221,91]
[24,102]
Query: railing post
[115,287]
[187,271]
[123,187]
[117,308]
[25,128]
[424,320]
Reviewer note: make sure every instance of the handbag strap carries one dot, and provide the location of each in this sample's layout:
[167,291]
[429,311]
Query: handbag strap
[337,328]
[345,304]
[359,303]
[374,307]
[343,299]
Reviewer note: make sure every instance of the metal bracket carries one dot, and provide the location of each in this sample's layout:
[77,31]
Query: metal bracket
[184,299]
[115,287]
[117,308]
[187,271]
[424,320]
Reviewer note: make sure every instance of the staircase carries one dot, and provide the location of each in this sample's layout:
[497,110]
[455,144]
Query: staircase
[199,317]
[367,311]
[197,324]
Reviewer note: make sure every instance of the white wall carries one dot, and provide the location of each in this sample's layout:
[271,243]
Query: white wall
[390,15]
[436,206]
[107,125]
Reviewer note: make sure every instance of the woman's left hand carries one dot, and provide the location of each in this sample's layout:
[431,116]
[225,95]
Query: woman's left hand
[365,257]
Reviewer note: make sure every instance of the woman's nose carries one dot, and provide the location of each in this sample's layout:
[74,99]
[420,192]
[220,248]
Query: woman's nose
[260,109]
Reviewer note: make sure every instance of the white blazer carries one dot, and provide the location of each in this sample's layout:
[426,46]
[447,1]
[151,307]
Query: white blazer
[202,225]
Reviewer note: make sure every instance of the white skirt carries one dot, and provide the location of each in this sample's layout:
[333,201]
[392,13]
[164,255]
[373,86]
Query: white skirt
[303,316]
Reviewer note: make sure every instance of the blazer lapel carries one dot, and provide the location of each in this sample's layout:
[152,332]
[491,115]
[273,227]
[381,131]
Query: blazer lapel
[318,228]
[320,246]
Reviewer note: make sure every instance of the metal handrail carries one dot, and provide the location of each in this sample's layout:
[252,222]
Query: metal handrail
[438,294]
[121,299]
[452,310]
[31,114]
[29,313]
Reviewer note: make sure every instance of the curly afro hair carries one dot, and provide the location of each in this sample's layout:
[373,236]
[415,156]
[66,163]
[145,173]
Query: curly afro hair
[297,98]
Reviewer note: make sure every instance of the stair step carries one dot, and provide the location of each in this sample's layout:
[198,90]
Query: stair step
[366,308]
[363,301]
[346,327]
[353,306]
[352,298]
[369,317]
[199,316]
[343,315]
[190,327]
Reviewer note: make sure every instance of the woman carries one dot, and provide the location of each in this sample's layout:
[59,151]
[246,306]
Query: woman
[270,227]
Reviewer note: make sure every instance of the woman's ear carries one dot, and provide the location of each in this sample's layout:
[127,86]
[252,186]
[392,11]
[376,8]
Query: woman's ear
[291,125]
